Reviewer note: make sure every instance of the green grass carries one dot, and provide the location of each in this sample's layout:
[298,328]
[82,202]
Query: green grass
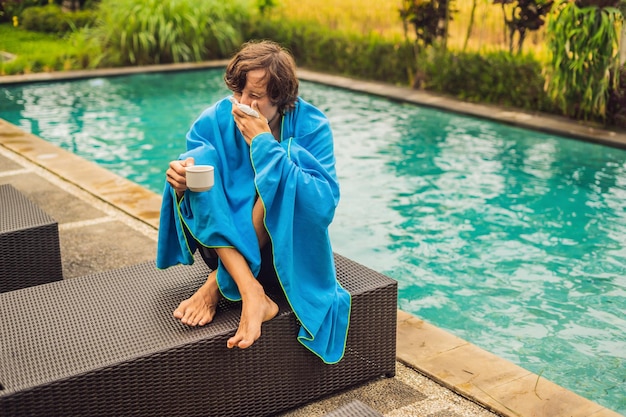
[36,52]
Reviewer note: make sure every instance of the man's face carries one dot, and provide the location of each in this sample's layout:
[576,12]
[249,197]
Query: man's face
[256,90]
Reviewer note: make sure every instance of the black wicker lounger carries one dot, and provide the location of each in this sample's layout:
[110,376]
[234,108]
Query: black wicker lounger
[106,345]
[29,243]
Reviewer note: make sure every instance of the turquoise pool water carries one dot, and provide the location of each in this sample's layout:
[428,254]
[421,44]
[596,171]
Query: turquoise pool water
[511,239]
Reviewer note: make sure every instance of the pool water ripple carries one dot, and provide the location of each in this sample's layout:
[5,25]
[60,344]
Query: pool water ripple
[511,239]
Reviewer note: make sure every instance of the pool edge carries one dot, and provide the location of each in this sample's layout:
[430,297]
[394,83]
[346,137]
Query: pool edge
[542,122]
[547,123]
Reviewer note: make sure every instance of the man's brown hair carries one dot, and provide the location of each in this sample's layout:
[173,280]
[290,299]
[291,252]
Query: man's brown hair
[280,67]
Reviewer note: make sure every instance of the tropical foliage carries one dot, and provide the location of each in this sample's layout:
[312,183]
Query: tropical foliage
[501,78]
[51,19]
[583,68]
[14,8]
[140,32]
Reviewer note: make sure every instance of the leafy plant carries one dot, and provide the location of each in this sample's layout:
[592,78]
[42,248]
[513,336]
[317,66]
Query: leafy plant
[11,8]
[584,49]
[495,77]
[140,32]
[52,19]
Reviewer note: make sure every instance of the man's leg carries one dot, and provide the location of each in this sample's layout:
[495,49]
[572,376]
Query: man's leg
[258,214]
[256,307]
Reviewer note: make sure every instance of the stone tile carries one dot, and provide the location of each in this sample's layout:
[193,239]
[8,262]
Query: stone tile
[438,399]
[536,396]
[417,339]
[474,373]
[103,246]
[469,365]
[59,204]
[605,412]
[383,395]
[8,165]
[390,394]
[444,413]
[117,191]
[483,376]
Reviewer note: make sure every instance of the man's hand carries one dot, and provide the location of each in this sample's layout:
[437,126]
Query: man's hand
[177,175]
[250,126]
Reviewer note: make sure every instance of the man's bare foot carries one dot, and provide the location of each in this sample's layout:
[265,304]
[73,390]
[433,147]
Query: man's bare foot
[199,309]
[254,311]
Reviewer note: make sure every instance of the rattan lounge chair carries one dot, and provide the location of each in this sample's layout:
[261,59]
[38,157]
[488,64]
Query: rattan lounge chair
[29,243]
[106,345]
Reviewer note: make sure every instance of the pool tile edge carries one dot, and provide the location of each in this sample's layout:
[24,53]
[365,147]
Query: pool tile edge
[495,383]
[107,72]
[547,123]
[131,198]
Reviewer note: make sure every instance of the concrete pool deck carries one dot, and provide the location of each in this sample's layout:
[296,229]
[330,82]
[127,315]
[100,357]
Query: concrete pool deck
[106,222]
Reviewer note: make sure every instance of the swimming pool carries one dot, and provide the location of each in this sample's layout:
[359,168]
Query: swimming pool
[511,239]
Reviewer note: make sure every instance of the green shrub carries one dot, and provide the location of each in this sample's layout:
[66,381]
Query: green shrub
[88,50]
[51,19]
[37,63]
[497,78]
[11,8]
[141,32]
[584,44]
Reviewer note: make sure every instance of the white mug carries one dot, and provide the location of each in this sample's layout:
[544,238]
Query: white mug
[200,177]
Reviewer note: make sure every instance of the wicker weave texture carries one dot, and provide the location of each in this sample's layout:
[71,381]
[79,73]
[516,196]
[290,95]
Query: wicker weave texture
[106,345]
[354,409]
[29,243]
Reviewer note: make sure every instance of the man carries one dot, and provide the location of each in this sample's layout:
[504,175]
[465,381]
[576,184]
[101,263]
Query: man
[275,195]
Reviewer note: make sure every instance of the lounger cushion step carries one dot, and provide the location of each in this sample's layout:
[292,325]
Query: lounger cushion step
[107,345]
[29,242]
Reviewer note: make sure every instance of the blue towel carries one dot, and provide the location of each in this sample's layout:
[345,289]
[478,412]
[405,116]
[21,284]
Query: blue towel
[297,184]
